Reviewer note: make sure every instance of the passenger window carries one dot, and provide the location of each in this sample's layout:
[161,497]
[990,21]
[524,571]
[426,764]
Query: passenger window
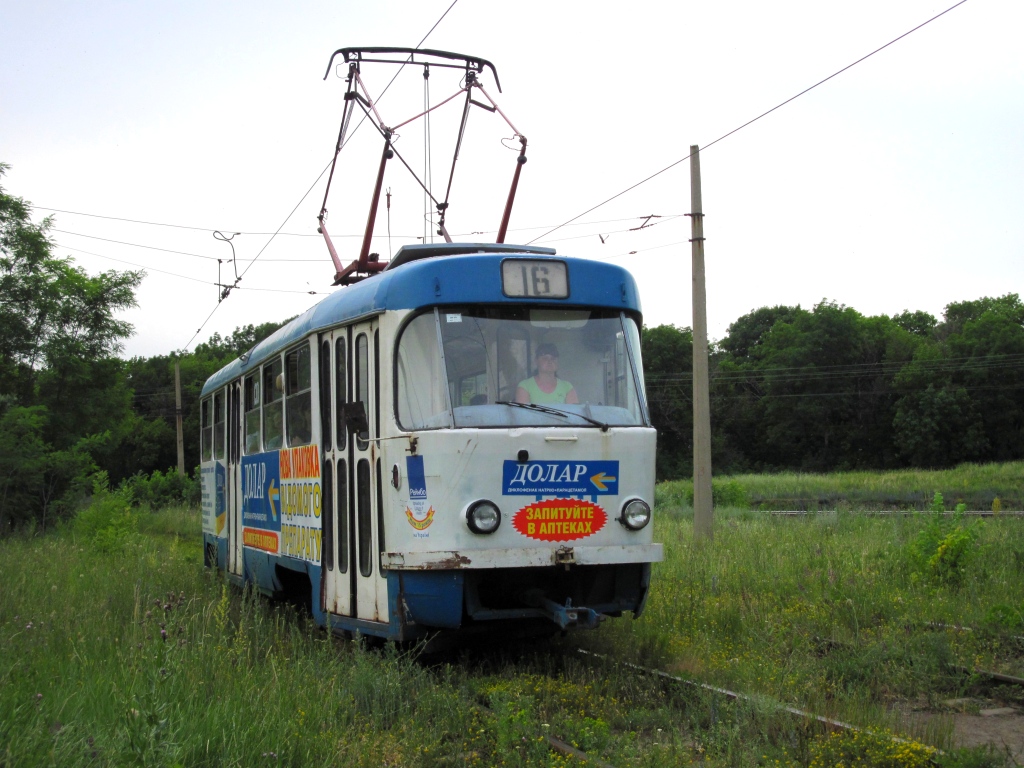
[207,429]
[273,405]
[364,513]
[342,516]
[218,425]
[340,391]
[327,506]
[325,395]
[252,414]
[363,384]
[299,396]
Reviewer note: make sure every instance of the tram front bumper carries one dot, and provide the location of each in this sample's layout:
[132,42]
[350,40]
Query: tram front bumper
[522,557]
[578,595]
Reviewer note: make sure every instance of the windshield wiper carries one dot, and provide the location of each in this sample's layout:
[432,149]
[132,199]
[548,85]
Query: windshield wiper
[534,407]
[553,412]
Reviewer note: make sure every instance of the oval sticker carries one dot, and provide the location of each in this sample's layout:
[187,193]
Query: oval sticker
[560,519]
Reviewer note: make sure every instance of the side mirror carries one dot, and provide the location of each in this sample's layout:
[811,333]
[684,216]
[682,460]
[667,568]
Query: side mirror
[353,415]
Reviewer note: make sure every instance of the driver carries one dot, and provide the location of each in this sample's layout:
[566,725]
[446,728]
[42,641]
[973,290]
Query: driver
[545,386]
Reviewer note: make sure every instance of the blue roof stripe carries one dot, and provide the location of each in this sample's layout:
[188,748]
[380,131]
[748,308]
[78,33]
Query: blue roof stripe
[441,280]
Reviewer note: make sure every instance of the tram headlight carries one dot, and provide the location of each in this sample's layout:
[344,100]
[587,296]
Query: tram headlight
[483,517]
[636,513]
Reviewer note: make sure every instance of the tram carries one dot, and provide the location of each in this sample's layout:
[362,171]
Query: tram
[397,458]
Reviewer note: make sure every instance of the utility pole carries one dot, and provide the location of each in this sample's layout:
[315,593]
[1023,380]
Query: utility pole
[177,415]
[702,512]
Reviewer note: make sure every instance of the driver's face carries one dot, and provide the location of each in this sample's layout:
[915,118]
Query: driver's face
[547,363]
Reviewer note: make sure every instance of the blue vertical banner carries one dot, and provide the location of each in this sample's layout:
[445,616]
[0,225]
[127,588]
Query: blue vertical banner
[261,501]
[419,513]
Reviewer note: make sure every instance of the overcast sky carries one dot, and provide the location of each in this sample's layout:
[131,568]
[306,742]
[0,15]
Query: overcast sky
[897,185]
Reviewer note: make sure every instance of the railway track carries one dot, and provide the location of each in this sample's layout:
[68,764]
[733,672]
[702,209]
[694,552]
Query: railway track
[892,513]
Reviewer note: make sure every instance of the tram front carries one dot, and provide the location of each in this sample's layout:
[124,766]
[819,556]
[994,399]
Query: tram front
[527,482]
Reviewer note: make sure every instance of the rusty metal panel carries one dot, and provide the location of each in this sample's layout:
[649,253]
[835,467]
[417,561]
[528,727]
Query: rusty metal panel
[526,557]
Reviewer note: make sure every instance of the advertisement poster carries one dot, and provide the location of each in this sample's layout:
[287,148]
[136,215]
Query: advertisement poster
[282,502]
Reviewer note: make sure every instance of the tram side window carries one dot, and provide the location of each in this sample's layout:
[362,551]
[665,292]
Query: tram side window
[252,414]
[343,525]
[325,394]
[218,425]
[422,400]
[207,429]
[363,384]
[273,405]
[299,401]
[341,391]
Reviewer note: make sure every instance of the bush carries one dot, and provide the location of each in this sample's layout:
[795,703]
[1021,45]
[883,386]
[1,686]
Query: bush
[162,489]
[944,547]
[108,522]
[869,748]
[724,493]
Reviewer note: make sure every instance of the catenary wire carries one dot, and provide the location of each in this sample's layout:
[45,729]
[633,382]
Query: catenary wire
[311,234]
[326,167]
[749,122]
[175,274]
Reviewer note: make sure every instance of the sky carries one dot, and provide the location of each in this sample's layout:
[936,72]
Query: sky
[898,184]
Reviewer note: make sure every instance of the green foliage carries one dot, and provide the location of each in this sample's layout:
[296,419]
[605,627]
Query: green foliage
[163,489]
[880,750]
[667,352]
[947,564]
[147,659]
[38,484]
[1005,616]
[831,389]
[151,444]
[62,392]
[108,523]
[725,492]
[944,547]
[971,757]
[873,491]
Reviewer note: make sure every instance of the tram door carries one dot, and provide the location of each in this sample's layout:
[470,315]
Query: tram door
[351,458]
[338,579]
[234,479]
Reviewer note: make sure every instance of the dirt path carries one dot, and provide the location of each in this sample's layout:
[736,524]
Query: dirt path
[997,725]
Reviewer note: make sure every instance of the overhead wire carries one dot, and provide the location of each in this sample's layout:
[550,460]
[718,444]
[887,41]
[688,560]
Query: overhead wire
[317,181]
[175,274]
[749,122]
[309,234]
[863,369]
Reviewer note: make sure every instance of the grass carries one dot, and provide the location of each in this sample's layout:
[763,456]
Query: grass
[975,485]
[837,613]
[119,649]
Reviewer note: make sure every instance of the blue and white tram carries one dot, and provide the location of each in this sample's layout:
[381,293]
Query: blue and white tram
[383,455]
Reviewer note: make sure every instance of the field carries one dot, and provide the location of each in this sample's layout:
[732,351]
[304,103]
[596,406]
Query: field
[977,486]
[120,650]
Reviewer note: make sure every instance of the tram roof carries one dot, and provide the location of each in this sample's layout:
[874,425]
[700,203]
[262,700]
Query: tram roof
[439,275]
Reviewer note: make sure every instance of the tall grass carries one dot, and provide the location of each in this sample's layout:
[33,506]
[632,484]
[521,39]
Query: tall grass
[975,485]
[836,612]
[142,658]
[130,653]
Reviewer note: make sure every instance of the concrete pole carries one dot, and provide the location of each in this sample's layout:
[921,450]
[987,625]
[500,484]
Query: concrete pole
[702,512]
[177,414]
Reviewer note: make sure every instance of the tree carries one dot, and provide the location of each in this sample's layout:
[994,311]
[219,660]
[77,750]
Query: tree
[961,398]
[810,390]
[152,443]
[62,392]
[667,353]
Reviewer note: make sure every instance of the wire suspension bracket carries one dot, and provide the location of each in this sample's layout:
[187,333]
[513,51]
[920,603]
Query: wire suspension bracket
[357,95]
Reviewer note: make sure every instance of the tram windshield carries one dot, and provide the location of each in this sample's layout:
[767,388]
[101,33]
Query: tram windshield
[515,366]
